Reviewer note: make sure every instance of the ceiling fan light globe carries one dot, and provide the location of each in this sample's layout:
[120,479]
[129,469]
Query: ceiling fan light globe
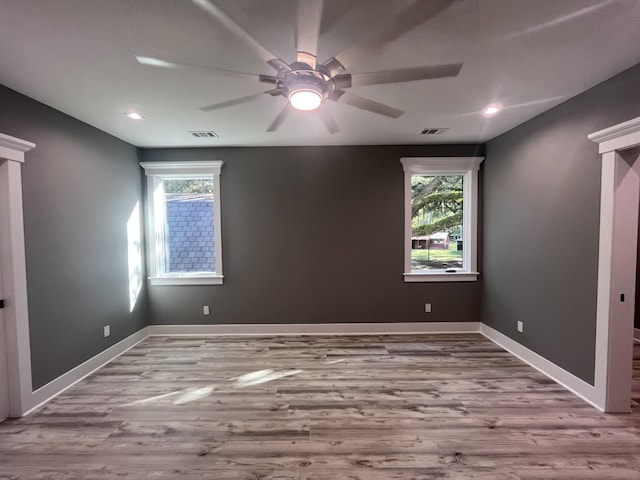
[305,98]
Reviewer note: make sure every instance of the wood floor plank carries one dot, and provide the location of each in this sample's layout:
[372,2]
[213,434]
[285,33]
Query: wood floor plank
[321,408]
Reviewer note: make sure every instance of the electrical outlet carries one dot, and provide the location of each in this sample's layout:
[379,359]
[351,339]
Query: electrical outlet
[205,310]
[427,308]
[520,326]
[107,331]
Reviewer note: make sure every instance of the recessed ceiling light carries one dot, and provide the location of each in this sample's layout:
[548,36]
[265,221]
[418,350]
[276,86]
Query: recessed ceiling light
[134,116]
[491,109]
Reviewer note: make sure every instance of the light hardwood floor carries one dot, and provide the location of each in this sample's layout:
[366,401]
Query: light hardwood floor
[320,408]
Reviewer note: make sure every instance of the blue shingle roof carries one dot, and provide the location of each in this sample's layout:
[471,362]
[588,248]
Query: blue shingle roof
[190,233]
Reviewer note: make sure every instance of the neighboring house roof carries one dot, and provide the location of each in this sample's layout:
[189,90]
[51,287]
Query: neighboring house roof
[439,235]
[433,236]
[190,232]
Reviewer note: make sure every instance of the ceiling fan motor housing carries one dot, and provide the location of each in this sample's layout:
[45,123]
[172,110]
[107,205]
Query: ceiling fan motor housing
[304,80]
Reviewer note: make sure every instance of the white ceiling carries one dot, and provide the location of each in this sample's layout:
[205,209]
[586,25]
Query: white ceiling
[78,57]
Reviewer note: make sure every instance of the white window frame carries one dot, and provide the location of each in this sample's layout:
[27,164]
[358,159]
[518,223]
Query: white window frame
[158,171]
[468,167]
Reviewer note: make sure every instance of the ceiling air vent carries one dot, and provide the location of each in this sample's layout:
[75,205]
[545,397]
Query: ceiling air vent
[204,134]
[433,131]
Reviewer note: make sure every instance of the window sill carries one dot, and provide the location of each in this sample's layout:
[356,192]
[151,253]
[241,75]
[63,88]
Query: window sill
[441,277]
[187,280]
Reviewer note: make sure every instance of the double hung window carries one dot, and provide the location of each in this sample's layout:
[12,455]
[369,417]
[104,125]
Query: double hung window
[183,219]
[441,218]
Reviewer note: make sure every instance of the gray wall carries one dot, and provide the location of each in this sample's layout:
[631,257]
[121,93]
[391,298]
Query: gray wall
[541,221]
[79,187]
[312,235]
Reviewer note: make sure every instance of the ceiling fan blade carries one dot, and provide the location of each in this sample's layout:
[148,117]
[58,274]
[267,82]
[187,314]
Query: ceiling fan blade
[369,105]
[400,75]
[235,101]
[335,11]
[327,119]
[157,62]
[309,19]
[342,81]
[268,79]
[411,17]
[275,125]
[279,65]
[236,29]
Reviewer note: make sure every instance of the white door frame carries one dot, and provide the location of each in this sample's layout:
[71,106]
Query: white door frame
[14,276]
[620,194]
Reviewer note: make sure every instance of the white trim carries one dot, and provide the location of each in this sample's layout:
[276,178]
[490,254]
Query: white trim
[14,275]
[468,167]
[636,334]
[441,277]
[12,148]
[187,168]
[55,387]
[187,280]
[257,329]
[620,136]
[568,380]
[619,196]
[605,247]
[217,223]
[622,271]
[441,165]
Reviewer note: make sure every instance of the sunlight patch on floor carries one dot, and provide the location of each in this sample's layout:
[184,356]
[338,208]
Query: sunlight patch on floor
[194,394]
[262,376]
[243,381]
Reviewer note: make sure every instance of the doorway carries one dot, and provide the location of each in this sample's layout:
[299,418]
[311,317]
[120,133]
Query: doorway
[625,272]
[16,396]
[617,259]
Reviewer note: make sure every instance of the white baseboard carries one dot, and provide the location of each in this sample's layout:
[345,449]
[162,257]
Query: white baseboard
[317,328]
[45,393]
[578,386]
[636,334]
[568,380]
[55,387]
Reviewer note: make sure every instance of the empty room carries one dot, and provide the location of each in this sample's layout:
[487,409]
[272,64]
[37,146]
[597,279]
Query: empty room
[319,239]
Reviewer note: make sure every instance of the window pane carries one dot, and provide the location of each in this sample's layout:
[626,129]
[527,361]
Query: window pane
[436,222]
[189,237]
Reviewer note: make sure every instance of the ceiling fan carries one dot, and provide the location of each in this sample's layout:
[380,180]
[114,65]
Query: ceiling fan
[305,82]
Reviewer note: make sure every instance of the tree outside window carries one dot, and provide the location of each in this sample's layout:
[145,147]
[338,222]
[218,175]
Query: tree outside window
[436,221]
[440,198]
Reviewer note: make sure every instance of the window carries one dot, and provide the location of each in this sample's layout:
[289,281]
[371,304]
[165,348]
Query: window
[441,212]
[183,221]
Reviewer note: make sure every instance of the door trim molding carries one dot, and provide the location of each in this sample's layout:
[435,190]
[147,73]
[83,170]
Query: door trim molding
[14,275]
[619,196]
